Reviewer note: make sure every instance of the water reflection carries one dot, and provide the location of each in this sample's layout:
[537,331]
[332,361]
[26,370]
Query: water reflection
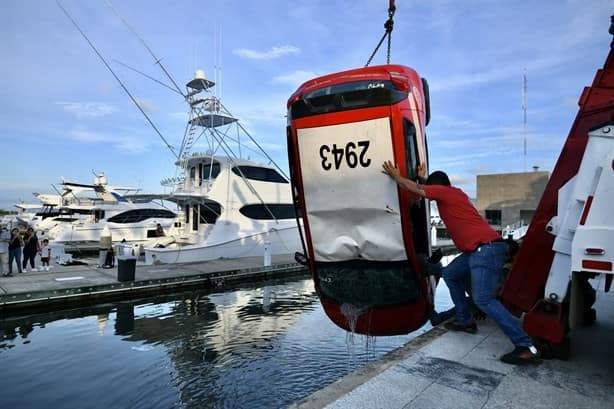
[260,346]
[14,333]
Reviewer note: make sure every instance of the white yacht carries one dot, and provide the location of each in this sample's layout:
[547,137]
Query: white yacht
[25,212]
[127,222]
[79,219]
[232,207]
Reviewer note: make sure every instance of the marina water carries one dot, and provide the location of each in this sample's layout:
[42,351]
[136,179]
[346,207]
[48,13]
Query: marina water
[260,345]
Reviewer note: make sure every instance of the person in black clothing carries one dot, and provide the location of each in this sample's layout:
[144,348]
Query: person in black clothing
[14,251]
[31,247]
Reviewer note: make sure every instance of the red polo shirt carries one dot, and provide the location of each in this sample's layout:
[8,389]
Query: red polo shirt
[466,227]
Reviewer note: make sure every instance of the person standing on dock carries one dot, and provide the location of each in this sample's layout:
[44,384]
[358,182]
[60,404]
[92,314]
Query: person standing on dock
[15,243]
[45,255]
[30,249]
[4,251]
[480,263]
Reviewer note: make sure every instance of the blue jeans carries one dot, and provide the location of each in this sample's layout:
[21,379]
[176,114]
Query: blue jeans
[15,254]
[483,267]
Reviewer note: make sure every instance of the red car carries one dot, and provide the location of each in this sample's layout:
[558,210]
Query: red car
[366,241]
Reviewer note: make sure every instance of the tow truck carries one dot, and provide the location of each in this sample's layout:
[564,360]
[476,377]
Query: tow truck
[570,241]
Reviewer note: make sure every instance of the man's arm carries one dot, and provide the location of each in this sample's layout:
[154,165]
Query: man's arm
[421,172]
[392,171]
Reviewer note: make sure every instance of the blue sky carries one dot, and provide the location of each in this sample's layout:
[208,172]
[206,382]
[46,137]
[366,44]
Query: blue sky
[63,114]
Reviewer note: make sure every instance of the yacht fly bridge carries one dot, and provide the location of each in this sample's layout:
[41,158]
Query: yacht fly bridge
[212,124]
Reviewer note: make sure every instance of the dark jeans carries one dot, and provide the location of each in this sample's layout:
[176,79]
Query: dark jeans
[15,254]
[483,267]
[28,256]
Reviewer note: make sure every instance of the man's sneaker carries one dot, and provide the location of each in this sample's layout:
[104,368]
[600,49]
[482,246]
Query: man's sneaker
[522,355]
[437,318]
[471,328]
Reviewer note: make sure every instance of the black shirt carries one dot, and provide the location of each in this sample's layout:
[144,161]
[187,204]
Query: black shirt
[14,243]
[31,244]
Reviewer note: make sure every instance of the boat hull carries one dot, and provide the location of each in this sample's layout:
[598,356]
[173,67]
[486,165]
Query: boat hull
[278,241]
[91,232]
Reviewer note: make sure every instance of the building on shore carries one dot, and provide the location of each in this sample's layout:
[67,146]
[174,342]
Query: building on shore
[510,199]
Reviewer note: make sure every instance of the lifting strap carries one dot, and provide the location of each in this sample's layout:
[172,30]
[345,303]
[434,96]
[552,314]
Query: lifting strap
[388,26]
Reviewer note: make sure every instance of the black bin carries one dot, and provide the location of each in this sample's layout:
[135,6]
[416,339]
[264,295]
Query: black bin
[125,268]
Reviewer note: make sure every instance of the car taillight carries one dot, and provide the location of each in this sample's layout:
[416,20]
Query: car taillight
[400,82]
[293,99]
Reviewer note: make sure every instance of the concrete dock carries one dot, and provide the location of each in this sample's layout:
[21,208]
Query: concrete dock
[78,285]
[442,369]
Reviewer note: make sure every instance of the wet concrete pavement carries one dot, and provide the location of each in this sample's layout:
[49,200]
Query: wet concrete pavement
[443,369]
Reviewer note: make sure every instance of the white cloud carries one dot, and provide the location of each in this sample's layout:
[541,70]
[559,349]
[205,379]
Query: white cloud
[131,146]
[464,158]
[503,71]
[295,78]
[126,144]
[261,110]
[88,109]
[462,179]
[267,146]
[263,113]
[274,52]
[570,103]
[182,116]
[13,185]
[146,105]
[538,49]
[86,136]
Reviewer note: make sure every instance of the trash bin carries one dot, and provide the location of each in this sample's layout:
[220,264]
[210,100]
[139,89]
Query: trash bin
[126,266]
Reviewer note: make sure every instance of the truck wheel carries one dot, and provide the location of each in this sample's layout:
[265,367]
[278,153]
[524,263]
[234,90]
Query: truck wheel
[590,316]
[562,351]
[549,350]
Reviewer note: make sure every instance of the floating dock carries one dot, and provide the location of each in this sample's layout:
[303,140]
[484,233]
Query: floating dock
[78,285]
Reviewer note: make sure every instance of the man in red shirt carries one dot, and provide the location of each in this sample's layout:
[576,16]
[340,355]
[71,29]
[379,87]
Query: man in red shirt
[480,262]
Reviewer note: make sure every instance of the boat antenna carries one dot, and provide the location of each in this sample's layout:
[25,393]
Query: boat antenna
[117,78]
[157,60]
